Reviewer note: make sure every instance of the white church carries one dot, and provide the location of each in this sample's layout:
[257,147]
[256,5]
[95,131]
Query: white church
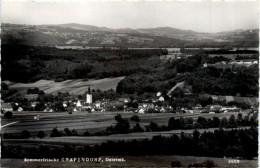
[89,96]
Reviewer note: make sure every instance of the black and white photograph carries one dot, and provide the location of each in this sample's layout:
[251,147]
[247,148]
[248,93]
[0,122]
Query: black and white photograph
[98,83]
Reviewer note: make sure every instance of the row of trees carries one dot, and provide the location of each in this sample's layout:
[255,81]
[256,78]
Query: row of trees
[233,143]
[123,126]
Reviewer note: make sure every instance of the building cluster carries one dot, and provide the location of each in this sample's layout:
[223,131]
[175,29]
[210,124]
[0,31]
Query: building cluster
[245,62]
[173,54]
[157,105]
[212,109]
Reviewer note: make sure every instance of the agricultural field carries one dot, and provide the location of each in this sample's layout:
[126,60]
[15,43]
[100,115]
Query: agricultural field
[92,122]
[74,87]
[247,100]
[92,140]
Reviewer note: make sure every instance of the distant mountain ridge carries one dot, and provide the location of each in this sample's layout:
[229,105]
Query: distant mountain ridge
[80,34]
[127,30]
[142,30]
[83,27]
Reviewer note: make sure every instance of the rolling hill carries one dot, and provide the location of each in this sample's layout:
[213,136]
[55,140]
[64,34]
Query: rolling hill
[88,35]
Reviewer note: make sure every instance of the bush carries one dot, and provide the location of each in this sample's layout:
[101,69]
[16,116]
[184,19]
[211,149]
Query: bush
[55,133]
[41,134]
[135,118]
[6,136]
[153,126]
[25,134]
[86,133]
[122,125]
[67,132]
[138,128]
[110,130]
[176,163]
[8,115]
[74,132]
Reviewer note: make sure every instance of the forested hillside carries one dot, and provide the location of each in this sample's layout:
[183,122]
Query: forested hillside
[238,81]
[27,64]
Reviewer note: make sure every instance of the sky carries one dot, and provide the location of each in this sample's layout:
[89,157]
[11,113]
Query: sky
[204,16]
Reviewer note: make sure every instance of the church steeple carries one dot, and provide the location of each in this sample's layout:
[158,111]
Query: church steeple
[89,91]
[89,96]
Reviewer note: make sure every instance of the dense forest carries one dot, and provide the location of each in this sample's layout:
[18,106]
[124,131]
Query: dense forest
[146,72]
[241,81]
[27,64]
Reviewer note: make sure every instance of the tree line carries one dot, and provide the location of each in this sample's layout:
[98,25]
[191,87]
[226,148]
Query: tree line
[233,143]
[123,126]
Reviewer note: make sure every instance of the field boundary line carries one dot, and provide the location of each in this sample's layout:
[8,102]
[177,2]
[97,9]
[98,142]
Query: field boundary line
[9,124]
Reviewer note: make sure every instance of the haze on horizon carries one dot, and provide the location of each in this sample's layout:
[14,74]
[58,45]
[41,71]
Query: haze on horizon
[206,16]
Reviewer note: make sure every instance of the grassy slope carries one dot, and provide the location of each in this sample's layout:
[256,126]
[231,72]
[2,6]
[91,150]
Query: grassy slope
[32,38]
[75,87]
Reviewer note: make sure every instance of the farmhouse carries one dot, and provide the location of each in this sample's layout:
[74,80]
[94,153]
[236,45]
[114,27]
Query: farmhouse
[85,106]
[34,104]
[97,104]
[6,107]
[48,109]
[116,103]
[141,110]
[214,107]
[79,104]
[161,99]
[65,104]
[230,109]
[158,94]
[162,110]
[125,100]
[247,62]
[205,65]
[197,107]
[20,109]
[146,105]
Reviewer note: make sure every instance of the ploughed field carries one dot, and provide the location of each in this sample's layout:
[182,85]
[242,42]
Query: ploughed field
[91,122]
[75,87]
[92,140]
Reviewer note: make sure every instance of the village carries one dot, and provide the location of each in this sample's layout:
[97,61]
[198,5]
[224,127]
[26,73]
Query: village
[85,103]
[129,84]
